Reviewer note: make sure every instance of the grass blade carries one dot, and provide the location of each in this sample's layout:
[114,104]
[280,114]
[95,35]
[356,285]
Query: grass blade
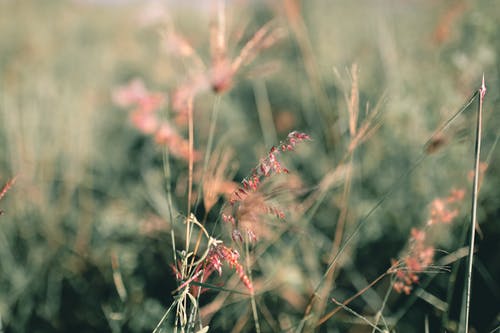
[477,155]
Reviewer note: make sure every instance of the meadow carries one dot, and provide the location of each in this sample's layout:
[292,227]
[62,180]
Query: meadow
[249,166]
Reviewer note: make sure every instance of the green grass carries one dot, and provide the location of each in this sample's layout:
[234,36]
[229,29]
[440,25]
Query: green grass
[96,202]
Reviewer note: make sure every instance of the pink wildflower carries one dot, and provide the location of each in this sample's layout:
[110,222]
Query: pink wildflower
[247,203]
[177,145]
[445,210]
[146,104]
[268,166]
[129,94]
[217,255]
[146,122]
[420,255]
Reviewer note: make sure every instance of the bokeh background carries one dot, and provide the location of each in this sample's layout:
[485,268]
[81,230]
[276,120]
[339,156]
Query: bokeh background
[90,200]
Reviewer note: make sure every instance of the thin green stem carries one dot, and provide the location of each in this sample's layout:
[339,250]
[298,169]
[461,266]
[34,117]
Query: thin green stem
[380,313]
[168,179]
[447,123]
[350,299]
[475,187]
[190,171]
[210,143]
[165,316]
[252,295]
[354,313]
[264,112]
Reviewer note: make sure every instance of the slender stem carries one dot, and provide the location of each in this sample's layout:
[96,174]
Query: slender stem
[210,142]
[447,123]
[208,151]
[168,180]
[380,313]
[477,155]
[252,296]
[190,171]
[264,112]
[165,316]
[198,242]
[337,239]
[354,313]
[350,299]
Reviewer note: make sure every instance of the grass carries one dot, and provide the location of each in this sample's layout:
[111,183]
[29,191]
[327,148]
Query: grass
[172,212]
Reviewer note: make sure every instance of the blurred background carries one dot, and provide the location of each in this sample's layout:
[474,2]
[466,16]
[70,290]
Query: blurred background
[85,241]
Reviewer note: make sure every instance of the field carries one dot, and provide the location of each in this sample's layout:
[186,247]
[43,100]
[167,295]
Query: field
[249,166]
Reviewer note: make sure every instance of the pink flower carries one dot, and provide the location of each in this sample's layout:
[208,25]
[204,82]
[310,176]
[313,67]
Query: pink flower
[443,210]
[129,94]
[248,204]
[177,145]
[217,255]
[420,254]
[146,122]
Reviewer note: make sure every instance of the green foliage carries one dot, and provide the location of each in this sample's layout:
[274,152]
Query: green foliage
[91,189]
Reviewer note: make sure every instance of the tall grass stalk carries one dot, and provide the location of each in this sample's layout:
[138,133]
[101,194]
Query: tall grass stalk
[252,296]
[352,102]
[190,170]
[210,143]
[380,312]
[264,112]
[350,299]
[354,313]
[206,160]
[475,189]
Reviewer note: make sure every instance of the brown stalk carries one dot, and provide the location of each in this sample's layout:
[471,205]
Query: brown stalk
[219,54]
[353,105]
[263,38]
[218,32]
[361,133]
[350,299]
[117,277]
[353,110]
[190,169]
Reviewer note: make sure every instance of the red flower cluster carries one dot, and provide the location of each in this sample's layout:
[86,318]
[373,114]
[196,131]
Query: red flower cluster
[246,202]
[144,117]
[217,255]
[267,166]
[420,255]
[419,258]
[444,210]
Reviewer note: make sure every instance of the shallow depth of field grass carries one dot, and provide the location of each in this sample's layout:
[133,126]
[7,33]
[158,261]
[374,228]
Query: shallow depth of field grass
[89,227]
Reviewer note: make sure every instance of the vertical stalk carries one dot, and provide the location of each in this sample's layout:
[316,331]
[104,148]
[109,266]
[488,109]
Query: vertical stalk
[265,114]
[210,143]
[475,187]
[252,296]
[190,171]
